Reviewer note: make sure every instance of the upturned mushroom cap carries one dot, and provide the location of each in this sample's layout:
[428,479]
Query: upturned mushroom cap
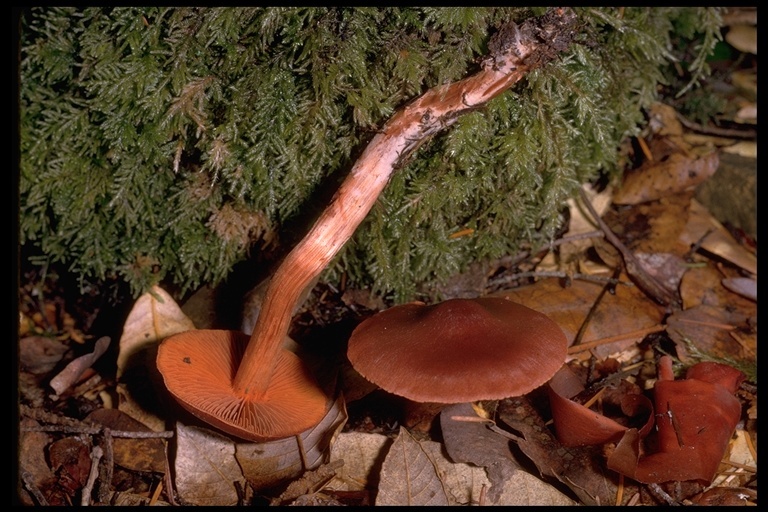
[198,368]
[459,350]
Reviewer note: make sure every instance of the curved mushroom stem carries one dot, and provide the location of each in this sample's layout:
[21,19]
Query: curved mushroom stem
[435,110]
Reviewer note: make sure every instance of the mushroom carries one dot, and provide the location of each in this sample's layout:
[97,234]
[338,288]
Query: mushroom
[243,382]
[199,368]
[458,350]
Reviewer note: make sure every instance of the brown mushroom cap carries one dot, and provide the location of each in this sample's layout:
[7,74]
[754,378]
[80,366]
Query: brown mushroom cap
[198,368]
[459,350]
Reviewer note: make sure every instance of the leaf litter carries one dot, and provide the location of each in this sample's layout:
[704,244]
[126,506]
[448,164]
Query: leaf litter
[646,283]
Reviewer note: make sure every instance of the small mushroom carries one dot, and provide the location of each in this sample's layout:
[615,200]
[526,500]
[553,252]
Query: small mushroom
[199,367]
[459,350]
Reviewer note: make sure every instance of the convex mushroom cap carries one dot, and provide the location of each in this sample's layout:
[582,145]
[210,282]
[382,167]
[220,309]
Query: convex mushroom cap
[459,350]
[199,367]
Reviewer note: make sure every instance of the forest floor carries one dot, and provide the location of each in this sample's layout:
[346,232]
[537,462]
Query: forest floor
[670,271]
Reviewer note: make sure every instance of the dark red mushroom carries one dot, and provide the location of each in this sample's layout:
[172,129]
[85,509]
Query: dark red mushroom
[459,350]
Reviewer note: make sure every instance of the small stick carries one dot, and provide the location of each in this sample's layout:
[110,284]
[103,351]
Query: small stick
[602,341]
[26,477]
[593,308]
[645,281]
[559,274]
[662,495]
[66,429]
[715,130]
[109,466]
[85,498]
[620,489]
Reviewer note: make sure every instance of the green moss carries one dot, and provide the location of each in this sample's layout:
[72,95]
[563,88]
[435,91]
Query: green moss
[143,129]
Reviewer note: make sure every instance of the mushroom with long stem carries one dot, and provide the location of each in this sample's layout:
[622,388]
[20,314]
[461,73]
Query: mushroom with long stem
[514,52]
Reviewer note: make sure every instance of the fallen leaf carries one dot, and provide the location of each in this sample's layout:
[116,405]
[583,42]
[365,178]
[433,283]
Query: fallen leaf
[40,354]
[206,471]
[713,331]
[308,484]
[626,312]
[666,268]
[742,464]
[745,148]
[270,463]
[579,468]
[409,475]
[649,228]
[154,316]
[654,180]
[34,464]
[473,443]
[743,38]
[71,462]
[744,286]
[704,229]
[134,454]
[362,454]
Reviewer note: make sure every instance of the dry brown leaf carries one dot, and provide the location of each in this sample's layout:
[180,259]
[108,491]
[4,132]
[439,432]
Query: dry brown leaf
[40,354]
[703,228]
[34,464]
[134,454]
[206,471]
[654,180]
[745,148]
[714,331]
[154,316]
[744,286]
[270,463]
[362,454]
[625,312]
[703,285]
[652,227]
[580,468]
[71,462]
[743,38]
[473,443]
[409,475]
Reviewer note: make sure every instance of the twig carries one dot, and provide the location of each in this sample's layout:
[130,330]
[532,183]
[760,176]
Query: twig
[602,341]
[716,130]
[26,477]
[85,497]
[578,236]
[662,495]
[645,281]
[169,488]
[66,429]
[620,489]
[559,274]
[688,256]
[109,466]
[593,308]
